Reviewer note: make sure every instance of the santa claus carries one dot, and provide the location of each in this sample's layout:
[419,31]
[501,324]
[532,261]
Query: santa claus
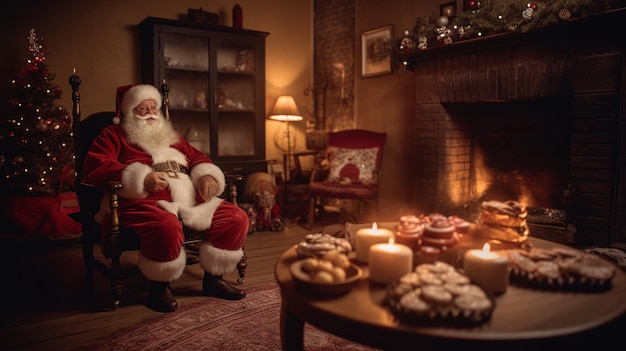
[165,181]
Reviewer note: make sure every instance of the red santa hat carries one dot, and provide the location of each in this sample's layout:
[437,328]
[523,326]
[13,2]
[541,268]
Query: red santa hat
[129,96]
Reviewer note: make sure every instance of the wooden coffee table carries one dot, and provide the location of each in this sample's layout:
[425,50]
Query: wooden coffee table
[522,318]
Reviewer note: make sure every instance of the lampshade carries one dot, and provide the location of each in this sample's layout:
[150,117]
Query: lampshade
[285,110]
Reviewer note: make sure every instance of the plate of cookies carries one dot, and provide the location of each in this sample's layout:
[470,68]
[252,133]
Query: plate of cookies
[438,293]
[318,244]
[329,275]
[560,268]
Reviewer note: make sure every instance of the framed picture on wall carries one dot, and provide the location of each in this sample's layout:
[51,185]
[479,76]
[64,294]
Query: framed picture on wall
[448,9]
[375,55]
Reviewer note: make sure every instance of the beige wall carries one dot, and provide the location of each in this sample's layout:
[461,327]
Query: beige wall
[97,38]
[386,103]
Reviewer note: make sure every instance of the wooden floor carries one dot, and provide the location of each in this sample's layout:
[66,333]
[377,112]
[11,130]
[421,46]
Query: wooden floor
[45,308]
[44,305]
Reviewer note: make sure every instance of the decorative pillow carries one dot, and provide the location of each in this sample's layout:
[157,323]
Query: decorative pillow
[353,166]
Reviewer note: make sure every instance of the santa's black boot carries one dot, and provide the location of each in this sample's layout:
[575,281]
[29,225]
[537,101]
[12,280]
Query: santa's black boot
[161,298]
[216,286]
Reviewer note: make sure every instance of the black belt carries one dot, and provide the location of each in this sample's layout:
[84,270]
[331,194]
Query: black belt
[169,166]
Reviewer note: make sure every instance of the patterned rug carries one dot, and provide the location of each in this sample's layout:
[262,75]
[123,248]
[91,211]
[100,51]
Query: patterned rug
[212,324]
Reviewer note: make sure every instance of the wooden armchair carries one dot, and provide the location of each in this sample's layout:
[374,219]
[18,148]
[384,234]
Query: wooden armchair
[119,239]
[350,170]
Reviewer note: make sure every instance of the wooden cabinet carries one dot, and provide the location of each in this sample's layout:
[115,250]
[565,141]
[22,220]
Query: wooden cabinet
[216,77]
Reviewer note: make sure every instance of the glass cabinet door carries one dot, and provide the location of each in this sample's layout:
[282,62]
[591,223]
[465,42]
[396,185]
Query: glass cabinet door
[236,96]
[186,69]
[216,80]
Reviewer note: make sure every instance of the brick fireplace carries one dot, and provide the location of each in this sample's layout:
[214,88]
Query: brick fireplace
[535,117]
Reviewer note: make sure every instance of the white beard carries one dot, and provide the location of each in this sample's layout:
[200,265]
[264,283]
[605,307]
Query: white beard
[149,131]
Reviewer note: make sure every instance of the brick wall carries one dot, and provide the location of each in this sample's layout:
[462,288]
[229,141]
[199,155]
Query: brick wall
[574,61]
[334,66]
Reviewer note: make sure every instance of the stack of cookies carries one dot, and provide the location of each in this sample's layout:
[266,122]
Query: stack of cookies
[504,221]
[439,233]
[409,231]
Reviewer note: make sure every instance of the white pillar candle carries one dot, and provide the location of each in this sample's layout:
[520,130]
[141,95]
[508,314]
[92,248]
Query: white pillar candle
[488,269]
[388,262]
[367,237]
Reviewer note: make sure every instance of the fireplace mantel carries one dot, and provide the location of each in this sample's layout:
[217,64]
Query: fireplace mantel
[608,24]
[580,61]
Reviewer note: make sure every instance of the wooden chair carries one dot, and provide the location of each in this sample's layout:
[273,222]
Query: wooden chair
[119,239]
[350,170]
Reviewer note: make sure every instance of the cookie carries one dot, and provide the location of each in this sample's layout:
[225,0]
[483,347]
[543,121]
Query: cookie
[412,301]
[436,294]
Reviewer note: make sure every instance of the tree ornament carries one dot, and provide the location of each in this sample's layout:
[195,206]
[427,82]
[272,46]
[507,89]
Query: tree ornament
[528,13]
[443,21]
[18,160]
[443,35]
[407,43]
[422,42]
[471,5]
[565,14]
[42,126]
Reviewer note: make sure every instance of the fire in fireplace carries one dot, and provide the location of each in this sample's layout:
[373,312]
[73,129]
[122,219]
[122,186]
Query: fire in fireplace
[519,151]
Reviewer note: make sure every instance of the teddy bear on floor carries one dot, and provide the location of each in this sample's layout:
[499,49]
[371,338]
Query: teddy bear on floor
[268,213]
[261,192]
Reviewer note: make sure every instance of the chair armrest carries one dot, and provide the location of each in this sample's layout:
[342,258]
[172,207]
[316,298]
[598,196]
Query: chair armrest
[110,243]
[231,181]
[233,177]
[319,173]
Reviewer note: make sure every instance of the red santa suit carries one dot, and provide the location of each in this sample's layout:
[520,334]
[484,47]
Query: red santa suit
[156,217]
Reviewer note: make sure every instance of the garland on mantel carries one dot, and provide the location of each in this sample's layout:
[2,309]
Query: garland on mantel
[493,18]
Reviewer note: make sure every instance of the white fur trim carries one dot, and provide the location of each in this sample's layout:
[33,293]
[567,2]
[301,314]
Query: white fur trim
[137,94]
[217,261]
[169,206]
[200,217]
[182,189]
[162,271]
[132,180]
[211,169]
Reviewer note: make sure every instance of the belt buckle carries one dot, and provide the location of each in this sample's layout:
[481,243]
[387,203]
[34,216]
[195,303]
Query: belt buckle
[172,169]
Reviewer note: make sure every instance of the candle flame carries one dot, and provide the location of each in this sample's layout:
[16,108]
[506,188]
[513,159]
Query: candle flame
[74,71]
[391,242]
[486,247]
[374,226]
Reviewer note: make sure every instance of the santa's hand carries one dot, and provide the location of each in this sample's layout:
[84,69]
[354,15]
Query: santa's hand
[207,187]
[155,181]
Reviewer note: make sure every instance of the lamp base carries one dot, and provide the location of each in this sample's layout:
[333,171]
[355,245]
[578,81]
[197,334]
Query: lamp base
[284,138]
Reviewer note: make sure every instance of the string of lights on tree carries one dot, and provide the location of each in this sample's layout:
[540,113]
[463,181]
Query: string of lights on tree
[484,18]
[35,134]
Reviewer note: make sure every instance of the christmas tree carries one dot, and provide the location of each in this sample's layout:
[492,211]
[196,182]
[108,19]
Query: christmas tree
[35,135]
